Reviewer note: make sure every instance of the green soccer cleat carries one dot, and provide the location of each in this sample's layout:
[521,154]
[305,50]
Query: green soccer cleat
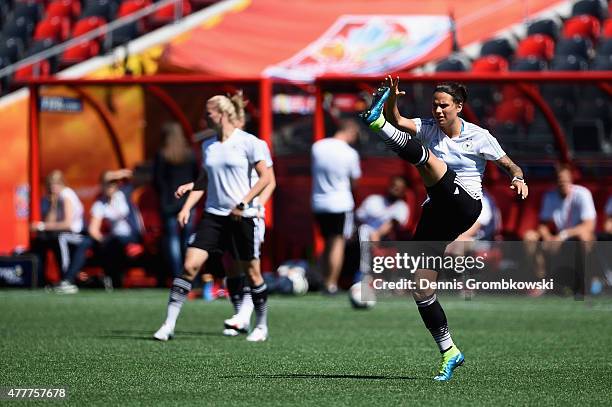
[451,359]
[373,117]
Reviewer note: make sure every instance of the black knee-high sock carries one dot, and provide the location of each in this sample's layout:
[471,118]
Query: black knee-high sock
[406,146]
[260,301]
[236,292]
[435,320]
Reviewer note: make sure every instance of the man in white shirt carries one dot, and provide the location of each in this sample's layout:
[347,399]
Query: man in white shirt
[381,215]
[607,228]
[335,167]
[567,213]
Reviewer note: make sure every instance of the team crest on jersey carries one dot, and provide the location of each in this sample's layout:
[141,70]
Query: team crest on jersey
[468,145]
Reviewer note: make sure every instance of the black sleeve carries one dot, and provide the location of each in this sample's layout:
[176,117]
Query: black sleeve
[201,182]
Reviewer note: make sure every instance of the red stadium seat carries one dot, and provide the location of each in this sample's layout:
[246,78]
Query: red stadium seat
[490,63]
[130,6]
[538,45]
[87,24]
[55,28]
[165,15]
[80,53]
[63,8]
[584,26]
[607,28]
[27,72]
[515,110]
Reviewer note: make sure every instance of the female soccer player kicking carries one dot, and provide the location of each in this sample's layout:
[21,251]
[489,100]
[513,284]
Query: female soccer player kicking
[228,222]
[450,154]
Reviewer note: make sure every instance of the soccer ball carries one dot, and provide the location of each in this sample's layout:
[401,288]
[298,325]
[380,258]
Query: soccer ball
[362,296]
[297,275]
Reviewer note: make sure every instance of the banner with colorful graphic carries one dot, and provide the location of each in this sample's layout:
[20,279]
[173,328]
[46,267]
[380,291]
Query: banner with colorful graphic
[364,44]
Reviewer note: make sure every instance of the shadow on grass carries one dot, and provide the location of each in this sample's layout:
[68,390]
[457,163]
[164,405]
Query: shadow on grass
[147,335]
[319,376]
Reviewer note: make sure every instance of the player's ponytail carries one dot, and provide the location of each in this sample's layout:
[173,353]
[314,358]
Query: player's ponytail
[458,91]
[239,104]
[232,106]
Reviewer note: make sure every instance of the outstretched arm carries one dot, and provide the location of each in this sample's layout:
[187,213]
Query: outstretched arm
[518,182]
[193,198]
[392,113]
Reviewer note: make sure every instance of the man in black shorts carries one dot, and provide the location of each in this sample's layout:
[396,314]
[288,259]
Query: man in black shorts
[335,167]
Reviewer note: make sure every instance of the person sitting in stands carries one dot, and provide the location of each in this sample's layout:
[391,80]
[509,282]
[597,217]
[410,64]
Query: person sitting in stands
[111,228]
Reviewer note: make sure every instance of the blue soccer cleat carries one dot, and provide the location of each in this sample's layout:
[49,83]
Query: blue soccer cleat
[374,113]
[451,359]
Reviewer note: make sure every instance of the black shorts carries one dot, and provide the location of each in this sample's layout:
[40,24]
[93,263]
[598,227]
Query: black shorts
[334,224]
[449,212]
[217,234]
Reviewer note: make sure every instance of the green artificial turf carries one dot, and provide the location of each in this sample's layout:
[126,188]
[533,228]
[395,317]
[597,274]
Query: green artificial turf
[519,351]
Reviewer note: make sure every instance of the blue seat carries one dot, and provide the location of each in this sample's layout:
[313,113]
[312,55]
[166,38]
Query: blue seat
[569,63]
[574,46]
[545,27]
[124,34]
[106,9]
[528,65]
[586,136]
[11,49]
[593,8]
[31,11]
[20,27]
[42,45]
[498,46]
[454,63]
[605,47]
[602,63]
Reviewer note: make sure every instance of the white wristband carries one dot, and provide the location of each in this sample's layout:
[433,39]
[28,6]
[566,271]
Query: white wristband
[519,179]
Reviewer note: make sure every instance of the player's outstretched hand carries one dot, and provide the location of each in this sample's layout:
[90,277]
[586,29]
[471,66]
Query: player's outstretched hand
[183,217]
[395,93]
[521,188]
[393,84]
[183,189]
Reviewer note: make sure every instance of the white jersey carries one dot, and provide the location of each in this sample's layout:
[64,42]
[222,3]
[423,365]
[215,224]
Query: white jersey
[76,223]
[466,154]
[570,211]
[228,166]
[377,209]
[334,164]
[115,210]
[256,210]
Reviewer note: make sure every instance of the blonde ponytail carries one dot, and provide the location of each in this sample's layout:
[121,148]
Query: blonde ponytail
[233,106]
